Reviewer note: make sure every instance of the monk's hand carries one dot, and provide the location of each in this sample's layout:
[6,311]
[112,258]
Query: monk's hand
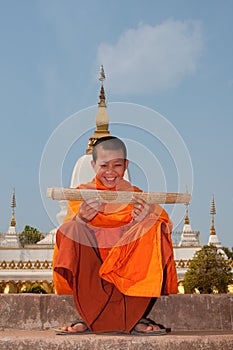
[89,209]
[141,209]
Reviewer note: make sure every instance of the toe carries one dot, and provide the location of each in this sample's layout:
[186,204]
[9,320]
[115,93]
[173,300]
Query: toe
[78,327]
[155,327]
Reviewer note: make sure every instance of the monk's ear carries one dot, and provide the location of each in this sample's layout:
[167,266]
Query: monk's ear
[92,163]
[126,163]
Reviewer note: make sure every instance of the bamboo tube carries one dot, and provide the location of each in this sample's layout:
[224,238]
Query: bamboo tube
[73,194]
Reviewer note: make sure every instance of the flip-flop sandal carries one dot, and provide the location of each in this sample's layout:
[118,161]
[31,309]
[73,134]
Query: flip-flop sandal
[59,331]
[145,321]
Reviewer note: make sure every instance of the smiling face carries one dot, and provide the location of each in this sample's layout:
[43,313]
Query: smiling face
[110,166]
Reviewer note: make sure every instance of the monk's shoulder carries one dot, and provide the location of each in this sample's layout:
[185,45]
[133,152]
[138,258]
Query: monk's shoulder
[137,189]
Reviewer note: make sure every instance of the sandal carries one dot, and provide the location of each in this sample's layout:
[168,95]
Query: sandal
[148,322]
[60,331]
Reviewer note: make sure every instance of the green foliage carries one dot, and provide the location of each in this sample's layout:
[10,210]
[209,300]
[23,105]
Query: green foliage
[35,288]
[30,235]
[208,272]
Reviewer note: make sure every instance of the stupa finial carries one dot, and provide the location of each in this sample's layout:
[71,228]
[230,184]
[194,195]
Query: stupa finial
[101,117]
[102,77]
[212,212]
[13,205]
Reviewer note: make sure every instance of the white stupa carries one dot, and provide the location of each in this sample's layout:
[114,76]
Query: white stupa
[189,238]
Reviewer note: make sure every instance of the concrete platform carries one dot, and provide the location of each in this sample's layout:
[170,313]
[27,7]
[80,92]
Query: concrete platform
[202,322]
[181,312]
[47,340]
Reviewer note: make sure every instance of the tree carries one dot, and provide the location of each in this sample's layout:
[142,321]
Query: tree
[208,272]
[30,235]
[35,288]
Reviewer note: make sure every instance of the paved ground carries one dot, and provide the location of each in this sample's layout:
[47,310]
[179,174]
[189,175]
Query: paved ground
[43,340]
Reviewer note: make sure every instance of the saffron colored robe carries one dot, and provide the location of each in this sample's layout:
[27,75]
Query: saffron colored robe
[113,265]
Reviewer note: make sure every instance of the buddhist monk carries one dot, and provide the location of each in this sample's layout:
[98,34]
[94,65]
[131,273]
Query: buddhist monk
[115,259]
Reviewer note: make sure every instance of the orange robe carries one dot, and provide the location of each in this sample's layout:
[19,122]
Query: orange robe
[131,261]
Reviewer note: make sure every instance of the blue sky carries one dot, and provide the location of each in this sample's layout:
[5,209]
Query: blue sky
[174,57]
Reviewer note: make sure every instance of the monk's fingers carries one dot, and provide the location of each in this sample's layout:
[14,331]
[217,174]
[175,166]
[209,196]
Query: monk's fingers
[136,211]
[87,215]
[138,217]
[90,201]
[90,204]
[138,200]
[146,209]
[94,206]
[141,209]
[139,203]
[138,207]
[89,209]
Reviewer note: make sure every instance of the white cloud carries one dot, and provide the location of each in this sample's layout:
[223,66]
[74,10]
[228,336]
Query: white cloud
[150,59]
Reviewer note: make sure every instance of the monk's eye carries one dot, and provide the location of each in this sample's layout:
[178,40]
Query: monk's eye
[103,165]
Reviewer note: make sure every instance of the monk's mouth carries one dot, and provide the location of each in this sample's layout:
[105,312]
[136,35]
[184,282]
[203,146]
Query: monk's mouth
[110,179]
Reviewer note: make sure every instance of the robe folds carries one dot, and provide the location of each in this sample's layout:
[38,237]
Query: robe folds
[114,265]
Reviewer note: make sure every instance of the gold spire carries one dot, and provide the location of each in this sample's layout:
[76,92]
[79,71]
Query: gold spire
[186,220]
[102,102]
[102,74]
[102,92]
[101,117]
[13,205]
[212,212]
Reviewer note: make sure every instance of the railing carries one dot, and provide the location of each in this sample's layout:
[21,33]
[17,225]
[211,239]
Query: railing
[25,265]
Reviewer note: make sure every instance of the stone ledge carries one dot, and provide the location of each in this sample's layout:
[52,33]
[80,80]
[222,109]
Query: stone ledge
[188,312]
[47,340]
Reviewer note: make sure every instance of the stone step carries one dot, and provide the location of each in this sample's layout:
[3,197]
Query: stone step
[213,312]
[48,340]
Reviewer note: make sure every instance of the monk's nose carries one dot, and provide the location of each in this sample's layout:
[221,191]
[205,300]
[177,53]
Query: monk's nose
[109,169]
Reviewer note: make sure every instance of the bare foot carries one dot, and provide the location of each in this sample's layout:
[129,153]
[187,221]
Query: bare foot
[78,327]
[140,327]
